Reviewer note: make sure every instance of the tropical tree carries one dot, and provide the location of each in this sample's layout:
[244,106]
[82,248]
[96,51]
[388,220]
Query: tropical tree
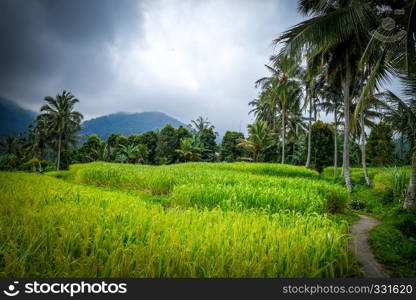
[392,53]
[331,102]
[334,34]
[62,121]
[380,146]
[200,124]
[205,137]
[260,139]
[167,144]
[188,151]
[322,145]
[150,139]
[283,92]
[229,146]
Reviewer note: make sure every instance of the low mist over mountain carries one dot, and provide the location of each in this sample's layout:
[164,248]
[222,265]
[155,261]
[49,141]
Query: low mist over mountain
[127,123]
[13,118]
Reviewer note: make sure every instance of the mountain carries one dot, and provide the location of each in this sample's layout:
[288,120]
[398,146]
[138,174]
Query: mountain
[127,123]
[13,118]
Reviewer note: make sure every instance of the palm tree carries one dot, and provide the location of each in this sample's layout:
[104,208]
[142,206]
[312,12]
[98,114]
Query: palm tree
[394,58]
[201,124]
[10,145]
[331,102]
[312,82]
[188,151]
[260,139]
[282,90]
[334,34]
[62,121]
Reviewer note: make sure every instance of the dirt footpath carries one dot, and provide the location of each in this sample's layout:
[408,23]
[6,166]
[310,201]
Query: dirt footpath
[360,229]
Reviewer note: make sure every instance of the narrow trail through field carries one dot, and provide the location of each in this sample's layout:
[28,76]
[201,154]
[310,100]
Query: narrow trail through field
[360,229]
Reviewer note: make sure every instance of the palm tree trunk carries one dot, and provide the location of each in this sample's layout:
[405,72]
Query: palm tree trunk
[308,159]
[363,154]
[59,152]
[283,137]
[401,146]
[335,143]
[410,201]
[346,152]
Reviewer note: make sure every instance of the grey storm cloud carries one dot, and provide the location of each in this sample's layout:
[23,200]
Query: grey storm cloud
[182,57]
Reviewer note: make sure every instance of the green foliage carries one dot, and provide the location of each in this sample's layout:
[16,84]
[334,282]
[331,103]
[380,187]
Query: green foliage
[183,133]
[395,250]
[187,151]
[135,153]
[149,138]
[229,147]
[34,165]
[380,146]
[259,141]
[115,140]
[91,150]
[393,181]
[322,145]
[204,138]
[208,145]
[167,144]
[9,162]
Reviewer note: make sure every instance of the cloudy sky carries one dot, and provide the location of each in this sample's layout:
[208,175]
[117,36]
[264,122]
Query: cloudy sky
[182,57]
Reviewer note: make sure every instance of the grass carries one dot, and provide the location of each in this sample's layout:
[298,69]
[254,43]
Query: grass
[394,250]
[55,228]
[225,186]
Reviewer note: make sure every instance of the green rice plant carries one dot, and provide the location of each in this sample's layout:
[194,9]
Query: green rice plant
[223,185]
[357,175]
[268,169]
[53,228]
[283,194]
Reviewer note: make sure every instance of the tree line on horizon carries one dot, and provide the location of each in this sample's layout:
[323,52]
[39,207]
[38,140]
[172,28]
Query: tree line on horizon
[53,142]
[335,62]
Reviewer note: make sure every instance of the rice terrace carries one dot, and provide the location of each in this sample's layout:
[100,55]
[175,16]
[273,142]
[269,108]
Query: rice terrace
[310,172]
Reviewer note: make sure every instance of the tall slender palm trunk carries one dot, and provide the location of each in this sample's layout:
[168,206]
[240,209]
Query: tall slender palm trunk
[308,159]
[346,152]
[283,136]
[363,154]
[335,143]
[410,201]
[59,152]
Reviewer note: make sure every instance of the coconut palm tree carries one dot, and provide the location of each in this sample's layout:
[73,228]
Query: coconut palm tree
[62,121]
[313,80]
[389,56]
[282,90]
[331,102]
[201,124]
[334,33]
[188,151]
